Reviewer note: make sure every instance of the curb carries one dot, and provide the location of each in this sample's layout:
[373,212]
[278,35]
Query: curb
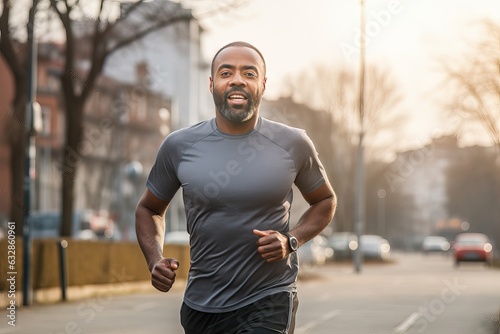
[75,293]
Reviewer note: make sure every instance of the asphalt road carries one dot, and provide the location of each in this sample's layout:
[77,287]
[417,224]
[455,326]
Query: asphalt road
[414,294]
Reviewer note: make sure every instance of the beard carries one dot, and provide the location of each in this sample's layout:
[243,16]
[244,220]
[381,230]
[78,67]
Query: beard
[237,114]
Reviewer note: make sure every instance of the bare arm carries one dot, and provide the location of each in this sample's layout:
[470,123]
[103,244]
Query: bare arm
[323,203]
[150,229]
[273,246]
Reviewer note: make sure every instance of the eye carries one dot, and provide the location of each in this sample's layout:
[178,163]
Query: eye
[225,73]
[251,74]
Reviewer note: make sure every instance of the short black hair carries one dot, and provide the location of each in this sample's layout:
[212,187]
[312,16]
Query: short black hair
[237,44]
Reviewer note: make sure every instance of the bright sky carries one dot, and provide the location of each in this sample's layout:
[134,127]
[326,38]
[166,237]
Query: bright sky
[407,36]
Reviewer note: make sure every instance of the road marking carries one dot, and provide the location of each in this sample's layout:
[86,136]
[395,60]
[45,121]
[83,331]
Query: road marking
[407,323]
[330,315]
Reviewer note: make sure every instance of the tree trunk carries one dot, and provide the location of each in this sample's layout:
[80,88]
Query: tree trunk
[15,129]
[17,142]
[71,160]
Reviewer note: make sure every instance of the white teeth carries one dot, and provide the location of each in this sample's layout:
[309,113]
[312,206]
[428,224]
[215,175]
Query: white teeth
[236,97]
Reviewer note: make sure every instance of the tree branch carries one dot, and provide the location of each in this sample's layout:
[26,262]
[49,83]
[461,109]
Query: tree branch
[6,46]
[126,41]
[69,71]
[476,82]
[124,15]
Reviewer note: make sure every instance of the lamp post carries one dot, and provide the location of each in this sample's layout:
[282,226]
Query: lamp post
[30,153]
[381,194]
[359,214]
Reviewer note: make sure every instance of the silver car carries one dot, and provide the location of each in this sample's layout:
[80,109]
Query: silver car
[373,246]
[435,243]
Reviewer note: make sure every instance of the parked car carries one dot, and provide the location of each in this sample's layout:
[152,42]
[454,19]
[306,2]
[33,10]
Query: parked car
[472,247]
[343,244]
[373,246]
[86,225]
[435,243]
[315,252]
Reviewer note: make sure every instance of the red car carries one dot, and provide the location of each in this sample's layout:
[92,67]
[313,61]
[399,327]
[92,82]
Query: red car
[474,247]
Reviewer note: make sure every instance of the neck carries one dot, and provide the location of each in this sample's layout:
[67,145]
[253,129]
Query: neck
[235,128]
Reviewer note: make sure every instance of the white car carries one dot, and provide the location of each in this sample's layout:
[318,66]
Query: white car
[315,252]
[435,243]
[374,247]
[343,244]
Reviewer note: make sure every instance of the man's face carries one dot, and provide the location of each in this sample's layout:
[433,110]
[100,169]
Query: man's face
[238,83]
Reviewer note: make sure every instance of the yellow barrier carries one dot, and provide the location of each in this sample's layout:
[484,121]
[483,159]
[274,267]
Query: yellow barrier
[88,263]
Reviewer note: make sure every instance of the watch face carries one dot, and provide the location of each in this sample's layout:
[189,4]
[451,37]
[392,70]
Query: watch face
[294,244]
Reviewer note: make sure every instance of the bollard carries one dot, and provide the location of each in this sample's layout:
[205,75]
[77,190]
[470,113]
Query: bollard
[63,244]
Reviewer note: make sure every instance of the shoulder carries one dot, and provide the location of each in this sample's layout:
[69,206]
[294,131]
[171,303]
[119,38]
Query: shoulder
[284,135]
[277,130]
[185,137]
[191,133]
[178,142]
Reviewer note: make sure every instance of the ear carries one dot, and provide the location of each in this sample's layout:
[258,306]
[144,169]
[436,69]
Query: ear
[264,84]
[211,85]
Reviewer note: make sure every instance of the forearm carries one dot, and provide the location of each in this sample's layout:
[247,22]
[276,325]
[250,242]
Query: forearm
[315,219]
[150,230]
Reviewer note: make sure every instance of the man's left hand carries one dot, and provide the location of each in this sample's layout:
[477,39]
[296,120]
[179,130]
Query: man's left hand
[272,245]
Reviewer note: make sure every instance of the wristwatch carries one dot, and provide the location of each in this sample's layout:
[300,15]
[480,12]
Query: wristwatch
[292,242]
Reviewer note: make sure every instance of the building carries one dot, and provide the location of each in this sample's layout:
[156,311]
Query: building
[447,187]
[124,123]
[146,90]
[6,96]
[175,62]
[422,173]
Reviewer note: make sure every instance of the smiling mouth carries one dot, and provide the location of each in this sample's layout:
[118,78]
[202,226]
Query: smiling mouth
[237,97]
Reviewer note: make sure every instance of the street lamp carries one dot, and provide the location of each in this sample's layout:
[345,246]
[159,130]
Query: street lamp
[381,194]
[30,153]
[359,214]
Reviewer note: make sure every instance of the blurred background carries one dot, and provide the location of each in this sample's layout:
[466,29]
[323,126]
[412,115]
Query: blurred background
[88,91]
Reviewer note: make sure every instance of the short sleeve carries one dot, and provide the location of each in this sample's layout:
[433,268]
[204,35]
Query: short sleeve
[162,180]
[310,171]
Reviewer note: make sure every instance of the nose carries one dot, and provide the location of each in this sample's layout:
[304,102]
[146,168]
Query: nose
[237,80]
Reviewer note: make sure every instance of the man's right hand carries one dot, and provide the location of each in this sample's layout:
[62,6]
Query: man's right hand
[163,274]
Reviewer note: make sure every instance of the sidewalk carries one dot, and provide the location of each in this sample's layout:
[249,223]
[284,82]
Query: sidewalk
[54,295]
[129,308]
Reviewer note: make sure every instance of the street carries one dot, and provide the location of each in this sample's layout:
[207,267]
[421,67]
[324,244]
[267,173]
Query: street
[417,294]
[412,294]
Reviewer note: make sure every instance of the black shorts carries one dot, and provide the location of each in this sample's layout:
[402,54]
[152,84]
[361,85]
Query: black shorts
[271,314]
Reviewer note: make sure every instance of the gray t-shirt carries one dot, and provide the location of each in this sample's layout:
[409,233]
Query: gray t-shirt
[231,185]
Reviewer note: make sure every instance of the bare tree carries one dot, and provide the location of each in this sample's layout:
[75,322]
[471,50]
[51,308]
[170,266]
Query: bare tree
[13,32]
[475,82]
[98,24]
[106,36]
[16,130]
[335,93]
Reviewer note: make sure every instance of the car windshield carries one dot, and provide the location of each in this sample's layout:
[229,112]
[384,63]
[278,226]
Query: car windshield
[471,242]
